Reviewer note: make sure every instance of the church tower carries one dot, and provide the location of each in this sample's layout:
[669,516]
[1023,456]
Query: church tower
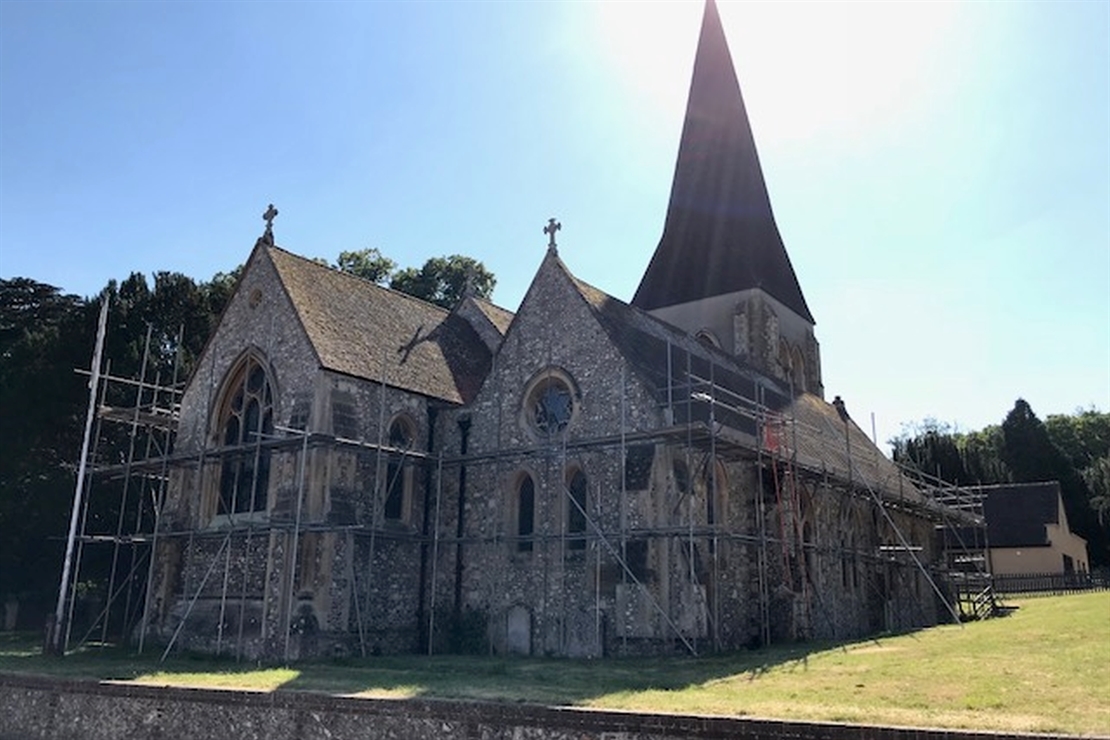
[721,271]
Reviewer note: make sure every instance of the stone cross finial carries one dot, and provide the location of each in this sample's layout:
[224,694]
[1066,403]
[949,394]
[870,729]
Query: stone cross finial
[269,216]
[550,229]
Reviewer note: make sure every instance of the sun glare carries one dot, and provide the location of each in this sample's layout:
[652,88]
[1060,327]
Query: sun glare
[650,45]
[804,67]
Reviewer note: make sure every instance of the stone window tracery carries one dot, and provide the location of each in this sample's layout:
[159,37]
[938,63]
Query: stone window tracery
[246,420]
[549,403]
[551,407]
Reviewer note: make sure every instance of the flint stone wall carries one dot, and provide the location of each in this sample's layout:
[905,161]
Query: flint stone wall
[39,707]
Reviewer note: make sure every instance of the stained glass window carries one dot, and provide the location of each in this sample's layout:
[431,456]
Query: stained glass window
[551,405]
[247,420]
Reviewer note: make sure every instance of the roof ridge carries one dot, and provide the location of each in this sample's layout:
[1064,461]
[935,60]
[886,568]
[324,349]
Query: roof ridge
[488,302]
[1023,484]
[681,334]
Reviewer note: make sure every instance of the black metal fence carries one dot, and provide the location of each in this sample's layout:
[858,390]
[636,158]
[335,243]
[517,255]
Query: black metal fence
[1050,583]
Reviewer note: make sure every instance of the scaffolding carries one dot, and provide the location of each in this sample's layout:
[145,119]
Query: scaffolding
[796,459]
[149,424]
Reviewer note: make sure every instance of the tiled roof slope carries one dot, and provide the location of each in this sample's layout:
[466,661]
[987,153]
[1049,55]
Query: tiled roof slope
[499,317]
[1017,513]
[820,445]
[720,234]
[807,425]
[361,329]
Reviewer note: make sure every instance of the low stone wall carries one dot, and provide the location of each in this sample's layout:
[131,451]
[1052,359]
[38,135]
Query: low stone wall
[38,707]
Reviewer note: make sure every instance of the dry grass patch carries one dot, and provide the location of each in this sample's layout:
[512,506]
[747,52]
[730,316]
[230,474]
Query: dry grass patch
[1045,668]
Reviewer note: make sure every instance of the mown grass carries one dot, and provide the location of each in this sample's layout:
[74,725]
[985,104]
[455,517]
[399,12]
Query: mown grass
[1045,668]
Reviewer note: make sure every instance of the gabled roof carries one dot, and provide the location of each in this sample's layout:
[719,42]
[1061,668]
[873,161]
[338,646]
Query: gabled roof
[1017,513]
[499,317]
[361,329]
[489,321]
[720,234]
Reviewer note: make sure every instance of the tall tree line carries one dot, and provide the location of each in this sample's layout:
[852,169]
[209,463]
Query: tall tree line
[46,335]
[1073,449]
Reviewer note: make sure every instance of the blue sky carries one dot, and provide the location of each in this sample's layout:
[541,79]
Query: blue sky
[940,172]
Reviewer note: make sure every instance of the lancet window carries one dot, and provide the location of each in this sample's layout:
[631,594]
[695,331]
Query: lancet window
[402,435]
[576,511]
[525,513]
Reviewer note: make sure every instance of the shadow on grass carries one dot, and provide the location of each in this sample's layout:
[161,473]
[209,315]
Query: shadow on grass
[21,652]
[532,680]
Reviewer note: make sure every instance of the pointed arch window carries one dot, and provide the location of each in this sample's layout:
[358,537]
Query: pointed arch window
[246,421]
[783,360]
[797,369]
[402,435]
[525,513]
[809,552]
[806,515]
[708,338]
[576,511]
[716,498]
[792,365]
[845,564]
[681,477]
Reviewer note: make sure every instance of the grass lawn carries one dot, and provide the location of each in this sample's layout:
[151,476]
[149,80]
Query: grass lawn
[1045,668]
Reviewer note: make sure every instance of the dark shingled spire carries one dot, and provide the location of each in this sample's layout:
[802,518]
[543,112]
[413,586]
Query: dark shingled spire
[720,235]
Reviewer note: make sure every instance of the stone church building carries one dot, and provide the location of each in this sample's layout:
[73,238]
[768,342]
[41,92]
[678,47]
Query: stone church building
[360,472]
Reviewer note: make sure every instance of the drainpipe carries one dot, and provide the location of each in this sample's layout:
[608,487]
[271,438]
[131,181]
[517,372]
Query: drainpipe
[422,635]
[460,527]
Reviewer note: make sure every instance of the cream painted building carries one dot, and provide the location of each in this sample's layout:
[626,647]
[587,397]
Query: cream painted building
[1028,530]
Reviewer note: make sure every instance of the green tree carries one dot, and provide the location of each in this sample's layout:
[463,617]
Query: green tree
[218,290]
[368,264]
[1030,455]
[1083,436]
[1028,451]
[444,280]
[44,335]
[982,455]
[1097,478]
[933,450]
[1071,449]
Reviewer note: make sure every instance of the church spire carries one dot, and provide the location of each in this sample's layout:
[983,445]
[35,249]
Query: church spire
[720,234]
